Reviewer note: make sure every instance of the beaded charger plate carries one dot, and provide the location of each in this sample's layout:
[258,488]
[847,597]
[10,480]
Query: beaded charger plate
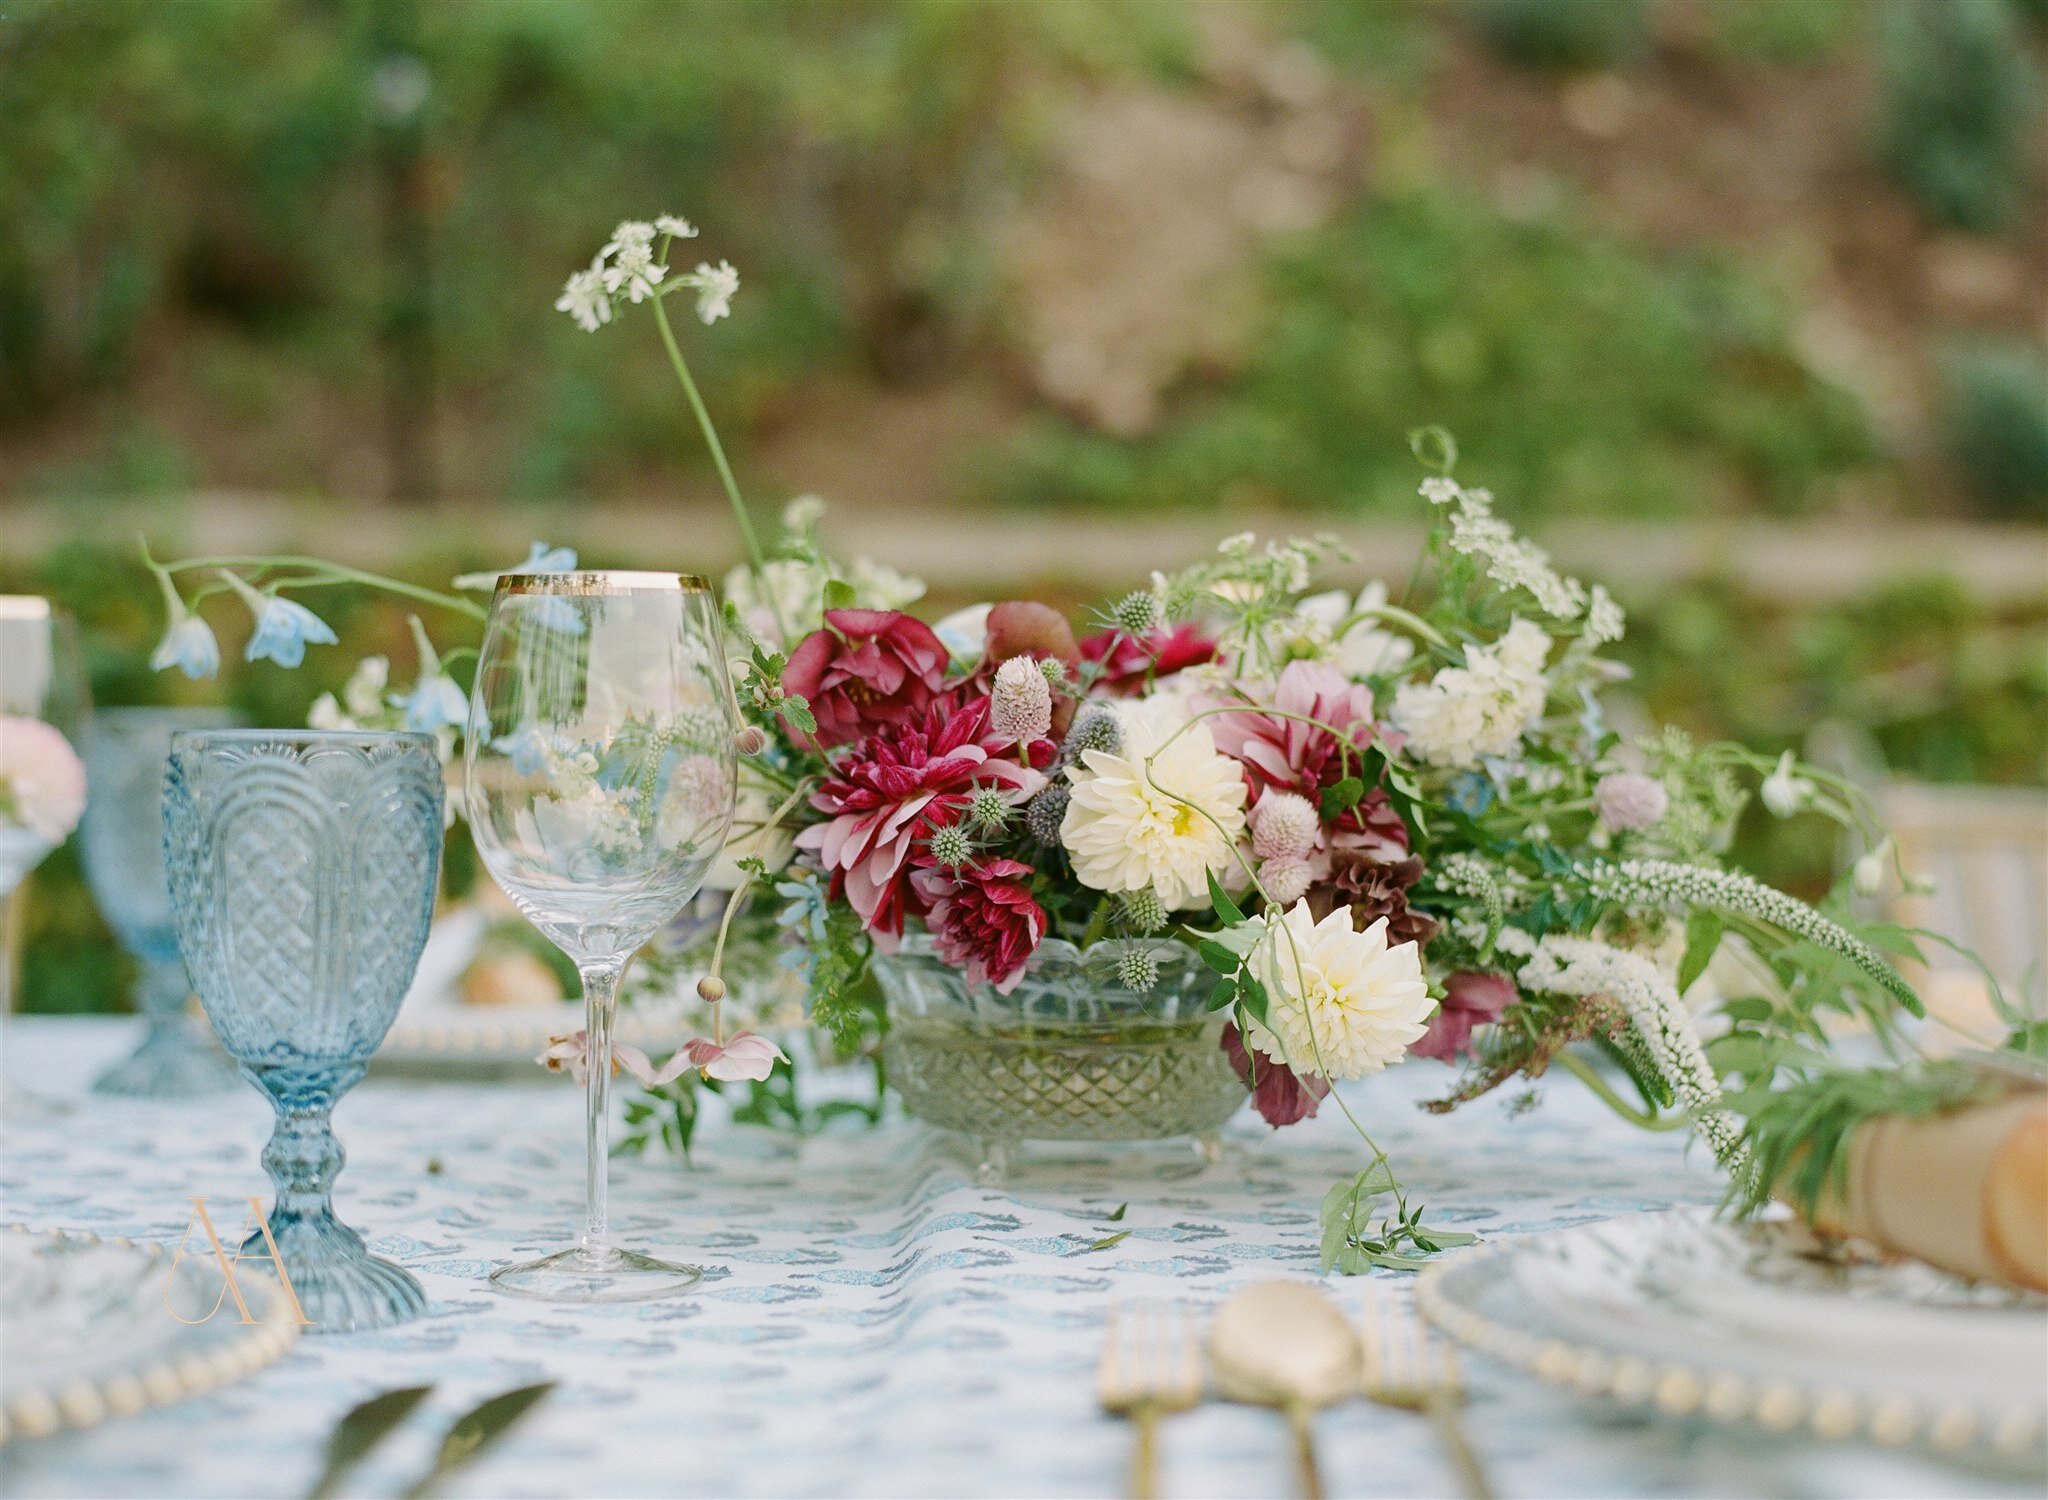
[1688,1315]
[96,1329]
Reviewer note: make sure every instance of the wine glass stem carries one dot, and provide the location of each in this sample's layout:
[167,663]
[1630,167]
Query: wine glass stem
[600,1005]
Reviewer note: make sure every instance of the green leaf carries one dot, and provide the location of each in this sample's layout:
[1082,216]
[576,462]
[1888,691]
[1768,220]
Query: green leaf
[1218,957]
[1748,1008]
[1252,999]
[797,710]
[1116,1216]
[1110,1240]
[839,594]
[475,1432]
[362,1429]
[1227,911]
[1223,994]
[1341,798]
[1703,931]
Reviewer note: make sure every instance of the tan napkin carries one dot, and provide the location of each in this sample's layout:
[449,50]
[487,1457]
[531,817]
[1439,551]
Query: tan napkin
[1966,1191]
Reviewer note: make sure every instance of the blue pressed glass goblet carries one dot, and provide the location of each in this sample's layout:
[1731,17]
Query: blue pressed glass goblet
[122,839]
[302,872]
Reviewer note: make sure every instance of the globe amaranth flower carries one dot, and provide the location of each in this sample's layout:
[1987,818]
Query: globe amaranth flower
[1285,825]
[42,780]
[188,645]
[982,918]
[1470,1000]
[1286,878]
[1280,1095]
[1628,800]
[1339,1002]
[863,670]
[282,627]
[1020,702]
[1127,664]
[1164,812]
[883,801]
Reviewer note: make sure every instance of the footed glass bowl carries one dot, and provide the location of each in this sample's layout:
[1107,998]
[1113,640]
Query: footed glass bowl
[1069,1055]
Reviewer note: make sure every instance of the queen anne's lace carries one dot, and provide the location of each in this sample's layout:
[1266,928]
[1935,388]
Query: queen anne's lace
[1676,887]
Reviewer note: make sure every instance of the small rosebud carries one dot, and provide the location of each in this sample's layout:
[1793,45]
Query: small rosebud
[751,740]
[711,989]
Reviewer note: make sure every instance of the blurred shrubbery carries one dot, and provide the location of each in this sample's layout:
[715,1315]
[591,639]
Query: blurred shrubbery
[1995,415]
[1961,104]
[1582,376]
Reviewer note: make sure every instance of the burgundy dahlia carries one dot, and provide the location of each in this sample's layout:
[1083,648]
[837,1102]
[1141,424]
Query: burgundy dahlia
[1470,1000]
[865,669]
[886,797]
[1280,1095]
[1129,663]
[1373,888]
[983,918]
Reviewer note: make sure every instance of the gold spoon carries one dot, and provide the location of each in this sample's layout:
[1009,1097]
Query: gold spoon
[1284,1344]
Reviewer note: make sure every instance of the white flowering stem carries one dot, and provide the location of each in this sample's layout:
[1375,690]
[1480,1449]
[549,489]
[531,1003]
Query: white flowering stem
[745,521]
[1656,882]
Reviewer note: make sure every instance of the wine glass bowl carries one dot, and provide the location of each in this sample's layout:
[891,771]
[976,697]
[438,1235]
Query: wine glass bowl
[302,868]
[122,839]
[599,782]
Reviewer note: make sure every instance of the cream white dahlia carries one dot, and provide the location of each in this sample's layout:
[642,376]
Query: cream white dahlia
[1164,827]
[1339,1002]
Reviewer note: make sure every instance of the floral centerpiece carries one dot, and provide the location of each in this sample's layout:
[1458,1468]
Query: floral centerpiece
[1387,827]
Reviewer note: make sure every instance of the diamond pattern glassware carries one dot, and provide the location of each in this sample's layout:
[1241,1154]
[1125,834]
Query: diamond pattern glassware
[1069,1055]
[122,838]
[303,867]
[598,777]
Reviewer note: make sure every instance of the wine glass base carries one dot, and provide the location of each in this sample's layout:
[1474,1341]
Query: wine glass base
[603,1275]
[175,1061]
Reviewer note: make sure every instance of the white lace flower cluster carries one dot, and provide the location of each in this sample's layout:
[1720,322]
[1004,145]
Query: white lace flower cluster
[630,268]
[1675,887]
[1481,709]
[1657,1016]
[1513,561]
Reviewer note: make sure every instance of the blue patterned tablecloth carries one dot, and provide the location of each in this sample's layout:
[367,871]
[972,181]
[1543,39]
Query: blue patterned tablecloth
[873,1321]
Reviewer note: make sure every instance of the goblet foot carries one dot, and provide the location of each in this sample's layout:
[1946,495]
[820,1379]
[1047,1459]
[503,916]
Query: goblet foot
[600,1274]
[175,1061]
[340,1286]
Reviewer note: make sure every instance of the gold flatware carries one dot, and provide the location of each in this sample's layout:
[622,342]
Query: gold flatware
[1284,1344]
[1405,1367]
[1150,1366]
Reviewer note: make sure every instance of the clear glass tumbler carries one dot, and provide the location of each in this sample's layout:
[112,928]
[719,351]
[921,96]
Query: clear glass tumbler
[302,869]
[122,836]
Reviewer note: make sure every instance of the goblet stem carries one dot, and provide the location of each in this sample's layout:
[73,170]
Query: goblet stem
[600,1007]
[303,1157]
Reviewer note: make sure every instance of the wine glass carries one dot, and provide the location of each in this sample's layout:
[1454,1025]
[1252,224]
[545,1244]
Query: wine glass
[303,865]
[122,839]
[599,773]
[42,688]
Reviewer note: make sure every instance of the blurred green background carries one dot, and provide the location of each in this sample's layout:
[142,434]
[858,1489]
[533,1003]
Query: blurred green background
[1771,269]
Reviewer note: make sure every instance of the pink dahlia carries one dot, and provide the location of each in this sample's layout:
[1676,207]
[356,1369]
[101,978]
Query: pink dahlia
[898,785]
[1470,1000]
[1282,750]
[1129,663]
[982,918]
[1280,1095]
[865,669]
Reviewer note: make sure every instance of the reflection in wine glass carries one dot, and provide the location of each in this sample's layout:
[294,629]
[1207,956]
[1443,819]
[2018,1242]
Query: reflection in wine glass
[599,785]
[42,782]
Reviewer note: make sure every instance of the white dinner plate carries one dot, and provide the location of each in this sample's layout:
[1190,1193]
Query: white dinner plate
[1751,1322]
[96,1329]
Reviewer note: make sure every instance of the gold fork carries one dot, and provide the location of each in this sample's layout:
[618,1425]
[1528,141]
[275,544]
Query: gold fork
[1150,1366]
[1406,1368]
